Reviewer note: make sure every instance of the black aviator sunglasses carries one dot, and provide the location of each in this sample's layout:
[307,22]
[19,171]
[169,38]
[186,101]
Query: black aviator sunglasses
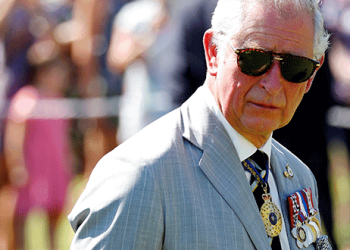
[256,62]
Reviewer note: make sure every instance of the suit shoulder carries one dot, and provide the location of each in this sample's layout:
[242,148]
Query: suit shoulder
[155,137]
[160,141]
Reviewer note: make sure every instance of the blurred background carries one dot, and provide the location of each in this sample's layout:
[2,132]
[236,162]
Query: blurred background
[79,77]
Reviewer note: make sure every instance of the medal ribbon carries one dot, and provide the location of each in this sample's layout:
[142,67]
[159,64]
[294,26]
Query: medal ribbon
[308,194]
[301,206]
[248,165]
[294,209]
[304,211]
[270,214]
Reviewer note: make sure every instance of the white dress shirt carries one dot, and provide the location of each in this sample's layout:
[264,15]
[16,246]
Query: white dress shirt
[246,149]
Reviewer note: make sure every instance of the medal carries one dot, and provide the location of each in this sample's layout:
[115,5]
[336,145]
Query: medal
[313,235]
[271,216]
[316,224]
[289,172]
[269,212]
[323,244]
[309,235]
[306,228]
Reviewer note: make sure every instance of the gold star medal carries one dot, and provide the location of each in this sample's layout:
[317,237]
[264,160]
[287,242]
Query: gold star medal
[271,216]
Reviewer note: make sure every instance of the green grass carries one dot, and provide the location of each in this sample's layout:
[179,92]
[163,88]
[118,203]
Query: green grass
[36,229]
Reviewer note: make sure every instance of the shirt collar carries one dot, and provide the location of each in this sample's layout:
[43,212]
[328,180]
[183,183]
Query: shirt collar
[244,147]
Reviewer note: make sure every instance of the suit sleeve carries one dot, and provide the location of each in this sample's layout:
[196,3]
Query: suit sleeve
[119,209]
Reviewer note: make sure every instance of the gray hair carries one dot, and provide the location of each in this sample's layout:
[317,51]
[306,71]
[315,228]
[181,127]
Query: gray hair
[229,22]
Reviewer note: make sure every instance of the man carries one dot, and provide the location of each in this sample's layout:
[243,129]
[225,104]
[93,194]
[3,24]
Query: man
[185,182]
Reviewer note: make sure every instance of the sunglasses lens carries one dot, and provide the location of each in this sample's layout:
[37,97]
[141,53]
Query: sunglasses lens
[254,62]
[297,69]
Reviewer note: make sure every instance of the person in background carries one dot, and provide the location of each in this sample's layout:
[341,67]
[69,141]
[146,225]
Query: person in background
[140,34]
[187,69]
[37,150]
[193,179]
[337,20]
[7,196]
[91,27]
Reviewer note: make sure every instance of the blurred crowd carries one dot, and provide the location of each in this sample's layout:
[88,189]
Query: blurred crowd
[148,55]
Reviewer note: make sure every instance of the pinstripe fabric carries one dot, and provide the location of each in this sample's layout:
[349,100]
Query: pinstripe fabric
[178,184]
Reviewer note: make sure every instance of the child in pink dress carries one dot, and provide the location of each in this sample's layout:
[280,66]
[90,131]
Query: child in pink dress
[38,149]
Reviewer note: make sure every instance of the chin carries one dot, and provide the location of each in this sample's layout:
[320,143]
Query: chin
[265,127]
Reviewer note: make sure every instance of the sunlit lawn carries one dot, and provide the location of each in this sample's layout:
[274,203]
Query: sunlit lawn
[340,190]
[37,224]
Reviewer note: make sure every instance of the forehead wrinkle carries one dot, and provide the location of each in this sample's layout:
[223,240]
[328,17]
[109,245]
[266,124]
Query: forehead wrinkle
[261,40]
[265,31]
[265,36]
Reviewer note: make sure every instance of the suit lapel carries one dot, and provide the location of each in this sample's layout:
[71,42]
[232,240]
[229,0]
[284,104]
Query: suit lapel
[285,187]
[223,169]
[277,163]
[221,165]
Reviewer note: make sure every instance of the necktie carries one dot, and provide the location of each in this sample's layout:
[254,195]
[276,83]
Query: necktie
[260,160]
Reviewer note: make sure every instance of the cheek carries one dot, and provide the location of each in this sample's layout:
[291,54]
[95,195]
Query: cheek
[232,90]
[294,97]
[233,102]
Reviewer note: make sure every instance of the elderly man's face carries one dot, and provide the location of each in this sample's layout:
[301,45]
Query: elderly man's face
[256,106]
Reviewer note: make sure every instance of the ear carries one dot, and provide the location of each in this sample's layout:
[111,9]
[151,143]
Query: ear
[309,82]
[211,52]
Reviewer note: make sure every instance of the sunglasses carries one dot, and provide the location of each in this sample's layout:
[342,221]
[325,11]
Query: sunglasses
[256,62]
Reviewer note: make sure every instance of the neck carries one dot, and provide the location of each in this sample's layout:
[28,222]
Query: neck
[257,140]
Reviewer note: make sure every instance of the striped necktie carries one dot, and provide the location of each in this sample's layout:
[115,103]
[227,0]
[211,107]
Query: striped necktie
[260,160]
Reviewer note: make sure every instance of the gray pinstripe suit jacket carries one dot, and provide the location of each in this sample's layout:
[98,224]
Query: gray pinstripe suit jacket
[178,184]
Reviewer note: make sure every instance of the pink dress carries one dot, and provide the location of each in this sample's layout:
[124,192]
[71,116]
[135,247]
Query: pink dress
[46,155]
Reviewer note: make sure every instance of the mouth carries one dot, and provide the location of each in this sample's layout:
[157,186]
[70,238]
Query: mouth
[265,106]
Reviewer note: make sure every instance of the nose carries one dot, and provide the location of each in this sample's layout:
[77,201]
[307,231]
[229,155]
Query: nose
[272,80]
